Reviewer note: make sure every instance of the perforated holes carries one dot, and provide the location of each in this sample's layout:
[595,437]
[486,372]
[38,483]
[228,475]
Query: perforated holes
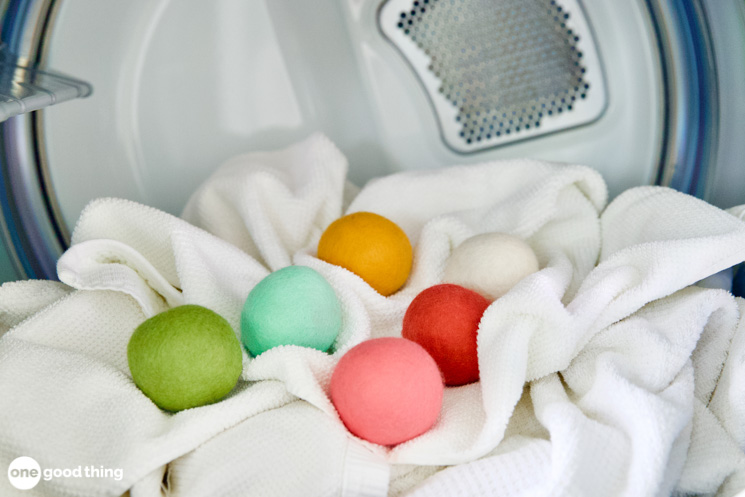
[505,59]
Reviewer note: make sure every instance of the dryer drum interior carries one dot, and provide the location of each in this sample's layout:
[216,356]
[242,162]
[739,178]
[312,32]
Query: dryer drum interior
[646,91]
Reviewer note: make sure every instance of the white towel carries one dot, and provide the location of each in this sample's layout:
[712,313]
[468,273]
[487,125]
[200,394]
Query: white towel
[605,373]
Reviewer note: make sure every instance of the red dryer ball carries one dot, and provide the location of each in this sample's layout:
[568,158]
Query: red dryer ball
[444,319]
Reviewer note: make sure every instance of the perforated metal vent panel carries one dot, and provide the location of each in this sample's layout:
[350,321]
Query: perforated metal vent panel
[497,71]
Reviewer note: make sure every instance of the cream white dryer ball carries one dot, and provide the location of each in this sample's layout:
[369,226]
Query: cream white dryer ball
[490,264]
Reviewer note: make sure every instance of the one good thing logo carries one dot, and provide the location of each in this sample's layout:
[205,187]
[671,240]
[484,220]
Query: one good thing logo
[24,473]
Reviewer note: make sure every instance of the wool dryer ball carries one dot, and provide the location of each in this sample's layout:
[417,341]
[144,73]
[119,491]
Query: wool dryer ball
[292,306]
[371,246]
[185,357]
[387,390]
[490,264]
[444,319]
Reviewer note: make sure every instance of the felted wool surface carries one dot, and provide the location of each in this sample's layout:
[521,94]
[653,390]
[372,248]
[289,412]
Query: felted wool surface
[370,246]
[387,390]
[490,264]
[444,319]
[184,357]
[292,306]
[604,373]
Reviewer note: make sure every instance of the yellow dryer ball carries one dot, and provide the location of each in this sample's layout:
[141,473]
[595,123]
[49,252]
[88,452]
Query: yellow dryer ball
[372,247]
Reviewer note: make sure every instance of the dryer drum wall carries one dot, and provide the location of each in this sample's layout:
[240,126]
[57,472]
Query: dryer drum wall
[697,45]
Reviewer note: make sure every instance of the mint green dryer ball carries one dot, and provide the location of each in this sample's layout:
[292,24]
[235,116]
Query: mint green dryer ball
[185,357]
[292,306]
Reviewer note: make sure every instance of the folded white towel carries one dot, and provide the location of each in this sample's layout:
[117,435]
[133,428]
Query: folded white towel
[604,373]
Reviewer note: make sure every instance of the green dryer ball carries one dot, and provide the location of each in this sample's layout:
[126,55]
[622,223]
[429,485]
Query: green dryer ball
[185,357]
[292,306]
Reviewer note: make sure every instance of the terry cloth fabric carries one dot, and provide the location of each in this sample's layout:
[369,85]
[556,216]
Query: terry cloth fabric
[605,373]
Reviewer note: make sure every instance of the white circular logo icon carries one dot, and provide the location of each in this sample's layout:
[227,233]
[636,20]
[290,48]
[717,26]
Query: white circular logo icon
[24,473]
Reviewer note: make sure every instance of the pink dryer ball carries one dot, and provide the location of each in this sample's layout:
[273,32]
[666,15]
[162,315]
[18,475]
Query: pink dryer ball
[444,319]
[387,390]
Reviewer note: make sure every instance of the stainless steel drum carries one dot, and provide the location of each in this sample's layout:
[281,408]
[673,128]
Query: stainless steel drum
[646,91]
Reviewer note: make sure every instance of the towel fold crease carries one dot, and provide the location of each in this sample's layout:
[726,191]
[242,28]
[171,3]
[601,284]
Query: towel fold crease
[604,373]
